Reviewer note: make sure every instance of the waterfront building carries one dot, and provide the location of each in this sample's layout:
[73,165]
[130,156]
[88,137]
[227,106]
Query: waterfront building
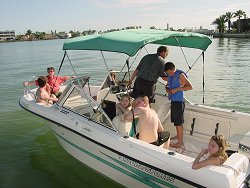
[243,25]
[7,35]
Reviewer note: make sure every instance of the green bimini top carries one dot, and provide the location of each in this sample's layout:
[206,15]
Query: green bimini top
[130,41]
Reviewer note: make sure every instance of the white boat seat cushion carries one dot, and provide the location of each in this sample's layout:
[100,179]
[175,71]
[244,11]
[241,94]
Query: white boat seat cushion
[122,127]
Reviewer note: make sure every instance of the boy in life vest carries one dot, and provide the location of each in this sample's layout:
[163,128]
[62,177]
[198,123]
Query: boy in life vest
[177,83]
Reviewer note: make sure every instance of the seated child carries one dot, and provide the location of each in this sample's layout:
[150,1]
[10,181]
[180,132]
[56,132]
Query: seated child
[43,96]
[123,107]
[217,153]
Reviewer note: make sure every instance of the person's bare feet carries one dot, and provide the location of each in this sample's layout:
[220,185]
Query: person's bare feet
[176,145]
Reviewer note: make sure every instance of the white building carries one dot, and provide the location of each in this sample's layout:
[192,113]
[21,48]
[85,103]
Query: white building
[7,35]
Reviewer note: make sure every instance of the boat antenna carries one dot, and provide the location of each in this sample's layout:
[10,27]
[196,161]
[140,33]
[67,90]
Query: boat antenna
[203,79]
[183,52]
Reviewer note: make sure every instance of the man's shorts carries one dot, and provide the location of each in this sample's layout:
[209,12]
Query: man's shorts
[177,112]
[144,88]
[162,138]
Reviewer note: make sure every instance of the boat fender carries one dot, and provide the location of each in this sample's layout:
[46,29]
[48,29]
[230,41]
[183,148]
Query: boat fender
[192,127]
[216,129]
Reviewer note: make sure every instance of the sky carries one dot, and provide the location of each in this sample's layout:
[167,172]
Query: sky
[101,15]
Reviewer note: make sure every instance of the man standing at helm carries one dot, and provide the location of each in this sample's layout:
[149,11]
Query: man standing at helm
[150,68]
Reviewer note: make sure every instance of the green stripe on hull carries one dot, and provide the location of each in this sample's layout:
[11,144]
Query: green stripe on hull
[142,174]
[137,174]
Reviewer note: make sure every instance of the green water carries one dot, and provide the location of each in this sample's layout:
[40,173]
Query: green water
[30,155]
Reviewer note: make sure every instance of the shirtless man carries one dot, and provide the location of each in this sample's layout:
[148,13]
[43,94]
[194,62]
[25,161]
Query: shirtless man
[149,123]
[42,94]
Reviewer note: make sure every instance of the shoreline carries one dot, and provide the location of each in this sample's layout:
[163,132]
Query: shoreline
[5,41]
[231,35]
[214,35]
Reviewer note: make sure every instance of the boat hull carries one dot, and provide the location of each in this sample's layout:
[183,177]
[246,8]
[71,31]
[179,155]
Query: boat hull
[114,164]
[129,161]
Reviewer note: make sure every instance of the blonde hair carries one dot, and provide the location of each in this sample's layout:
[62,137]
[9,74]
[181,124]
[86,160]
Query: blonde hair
[221,142]
[129,98]
[144,99]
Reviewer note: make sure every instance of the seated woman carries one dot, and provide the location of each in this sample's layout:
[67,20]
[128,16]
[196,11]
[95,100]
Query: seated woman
[43,97]
[217,153]
[123,107]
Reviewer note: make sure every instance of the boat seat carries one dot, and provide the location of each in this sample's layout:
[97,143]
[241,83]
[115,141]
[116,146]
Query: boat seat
[237,162]
[164,112]
[30,94]
[205,127]
[122,127]
[110,108]
[110,96]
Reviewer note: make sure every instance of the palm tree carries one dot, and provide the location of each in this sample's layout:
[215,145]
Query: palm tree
[245,16]
[228,17]
[220,22]
[29,32]
[239,14]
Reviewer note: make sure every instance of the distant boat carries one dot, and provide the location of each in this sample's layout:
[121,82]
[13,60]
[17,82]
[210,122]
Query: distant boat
[63,35]
[82,122]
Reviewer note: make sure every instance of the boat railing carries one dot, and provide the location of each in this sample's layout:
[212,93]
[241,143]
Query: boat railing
[29,90]
[29,93]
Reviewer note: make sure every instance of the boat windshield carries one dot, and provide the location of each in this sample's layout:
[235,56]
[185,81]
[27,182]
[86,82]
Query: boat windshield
[119,82]
[79,101]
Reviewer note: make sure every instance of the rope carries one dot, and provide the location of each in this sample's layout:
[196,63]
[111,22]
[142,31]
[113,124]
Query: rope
[236,172]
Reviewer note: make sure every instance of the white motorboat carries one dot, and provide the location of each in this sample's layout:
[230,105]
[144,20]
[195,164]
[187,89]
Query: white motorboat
[82,122]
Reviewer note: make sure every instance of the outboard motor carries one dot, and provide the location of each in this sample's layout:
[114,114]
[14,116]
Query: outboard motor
[244,145]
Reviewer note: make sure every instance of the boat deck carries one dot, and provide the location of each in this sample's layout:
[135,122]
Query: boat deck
[191,147]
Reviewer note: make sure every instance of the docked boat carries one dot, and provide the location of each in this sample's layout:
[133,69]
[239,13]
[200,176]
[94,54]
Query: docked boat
[82,121]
